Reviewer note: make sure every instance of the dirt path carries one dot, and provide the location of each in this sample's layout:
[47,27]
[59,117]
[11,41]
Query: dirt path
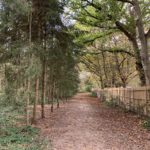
[85,123]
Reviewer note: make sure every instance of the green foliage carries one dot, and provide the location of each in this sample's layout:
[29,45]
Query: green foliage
[146,124]
[16,137]
[40,144]
[89,38]
[93,94]
[88,86]
[100,27]
[35,143]
[12,97]
[111,103]
[34,68]
[24,59]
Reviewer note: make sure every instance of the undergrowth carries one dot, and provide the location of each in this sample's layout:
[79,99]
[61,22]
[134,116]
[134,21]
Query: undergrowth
[146,124]
[15,136]
[111,103]
[93,94]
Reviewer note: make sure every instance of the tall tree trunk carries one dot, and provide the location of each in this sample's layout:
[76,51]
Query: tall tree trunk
[49,93]
[57,97]
[36,99]
[27,103]
[43,89]
[121,75]
[104,65]
[28,80]
[53,95]
[144,48]
[140,70]
[133,39]
[139,66]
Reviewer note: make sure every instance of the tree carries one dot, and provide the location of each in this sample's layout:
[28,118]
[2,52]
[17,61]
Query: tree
[37,53]
[107,17]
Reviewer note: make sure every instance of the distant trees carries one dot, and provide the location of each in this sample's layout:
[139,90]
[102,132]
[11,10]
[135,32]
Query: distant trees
[37,54]
[111,68]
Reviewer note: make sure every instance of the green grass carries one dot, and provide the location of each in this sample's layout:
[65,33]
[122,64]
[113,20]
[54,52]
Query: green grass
[17,135]
[14,137]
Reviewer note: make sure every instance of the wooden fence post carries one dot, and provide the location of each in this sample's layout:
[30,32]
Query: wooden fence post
[147,101]
[146,107]
[129,99]
[124,99]
[134,109]
[119,96]
[138,107]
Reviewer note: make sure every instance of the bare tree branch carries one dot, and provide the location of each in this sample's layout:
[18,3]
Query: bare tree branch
[111,51]
[122,28]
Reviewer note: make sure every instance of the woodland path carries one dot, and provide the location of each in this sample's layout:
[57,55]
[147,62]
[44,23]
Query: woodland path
[85,123]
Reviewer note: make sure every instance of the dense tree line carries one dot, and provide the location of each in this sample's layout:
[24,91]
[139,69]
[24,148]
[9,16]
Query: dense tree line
[38,58]
[39,50]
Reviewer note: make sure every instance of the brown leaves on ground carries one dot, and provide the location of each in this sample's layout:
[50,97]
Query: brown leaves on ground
[85,123]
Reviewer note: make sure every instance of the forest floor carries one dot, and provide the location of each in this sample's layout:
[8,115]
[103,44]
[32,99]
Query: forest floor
[85,123]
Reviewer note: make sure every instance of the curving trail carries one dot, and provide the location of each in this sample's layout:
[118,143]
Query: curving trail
[84,123]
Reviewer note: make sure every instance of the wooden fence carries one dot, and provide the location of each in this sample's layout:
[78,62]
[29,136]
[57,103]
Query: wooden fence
[133,99]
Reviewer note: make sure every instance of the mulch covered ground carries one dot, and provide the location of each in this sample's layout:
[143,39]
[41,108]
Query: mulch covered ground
[85,123]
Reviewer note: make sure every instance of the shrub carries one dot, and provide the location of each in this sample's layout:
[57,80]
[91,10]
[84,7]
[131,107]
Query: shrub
[111,103]
[13,137]
[18,135]
[146,124]
[93,94]
[88,88]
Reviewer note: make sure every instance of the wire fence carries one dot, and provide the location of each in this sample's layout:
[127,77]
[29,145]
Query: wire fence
[132,99]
